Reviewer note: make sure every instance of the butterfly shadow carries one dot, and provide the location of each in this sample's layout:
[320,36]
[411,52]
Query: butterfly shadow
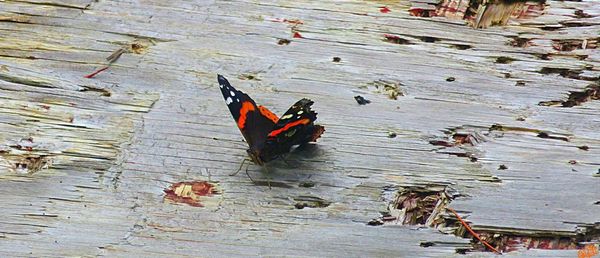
[296,166]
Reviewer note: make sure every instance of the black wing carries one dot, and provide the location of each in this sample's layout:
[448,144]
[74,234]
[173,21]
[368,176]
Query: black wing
[295,127]
[255,122]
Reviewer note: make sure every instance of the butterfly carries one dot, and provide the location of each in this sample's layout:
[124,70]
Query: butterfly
[269,136]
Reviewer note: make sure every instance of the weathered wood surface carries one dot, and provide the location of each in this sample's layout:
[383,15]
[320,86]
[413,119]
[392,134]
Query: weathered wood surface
[101,151]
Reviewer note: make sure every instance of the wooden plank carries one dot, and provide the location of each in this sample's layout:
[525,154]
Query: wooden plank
[99,152]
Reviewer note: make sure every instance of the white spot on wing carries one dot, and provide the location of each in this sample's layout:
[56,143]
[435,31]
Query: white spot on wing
[287,116]
[238,100]
[300,112]
[221,86]
[232,93]
[229,100]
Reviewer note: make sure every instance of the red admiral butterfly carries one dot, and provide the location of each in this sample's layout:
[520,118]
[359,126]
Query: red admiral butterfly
[267,135]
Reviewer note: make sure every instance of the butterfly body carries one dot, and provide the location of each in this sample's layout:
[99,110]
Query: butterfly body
[269,136]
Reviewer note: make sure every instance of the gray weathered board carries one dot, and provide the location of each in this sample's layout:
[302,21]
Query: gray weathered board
[106,148]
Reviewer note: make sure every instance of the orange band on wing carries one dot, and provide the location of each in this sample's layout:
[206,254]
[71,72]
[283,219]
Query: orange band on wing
[247,106]
[288,126]
[268,114]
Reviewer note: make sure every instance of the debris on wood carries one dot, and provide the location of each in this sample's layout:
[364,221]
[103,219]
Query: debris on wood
[310,202]
[361,100]
[475,235]
[395,39]
[91,75]
[583,147]
[136,47]
[390,88]
[283,42]
[191,193]
[419,205]
[577,98]
[480,13]
[307,184]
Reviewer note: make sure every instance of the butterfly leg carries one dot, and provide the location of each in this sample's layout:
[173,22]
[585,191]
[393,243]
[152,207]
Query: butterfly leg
[282,157]
[268,177]
[251,180]
[240,168]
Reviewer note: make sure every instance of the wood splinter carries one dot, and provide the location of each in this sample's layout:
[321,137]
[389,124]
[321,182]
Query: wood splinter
[111,59]
[473,232]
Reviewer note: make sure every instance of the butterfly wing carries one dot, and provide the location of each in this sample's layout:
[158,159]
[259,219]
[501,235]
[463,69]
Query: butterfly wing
[255,122]
[295,127]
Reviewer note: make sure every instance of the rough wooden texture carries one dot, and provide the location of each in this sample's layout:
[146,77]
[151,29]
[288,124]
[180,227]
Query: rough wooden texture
[101,151]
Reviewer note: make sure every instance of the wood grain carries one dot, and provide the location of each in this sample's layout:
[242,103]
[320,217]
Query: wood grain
[107,147]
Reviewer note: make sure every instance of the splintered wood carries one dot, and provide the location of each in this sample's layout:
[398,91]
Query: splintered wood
[489,108]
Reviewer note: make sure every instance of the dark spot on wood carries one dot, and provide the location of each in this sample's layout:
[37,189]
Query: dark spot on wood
[249,76]
[375,222]
[307,184]
[577,98]
[297,35]
[461,46]
[520,42]
[426,244]
[441,143]
[421,12]
[336,59]
[573,44]
[502,167]
[504,60]
[428,39]
[551,27]
[361,100]
[103,92]
[190,193]
[564,72]
[581,14]
[463,138]
[31,164]
[283,42]
[573,162]
[392,135]
[545,135]
[138,48]
[583,147]
[462,250]
[310,202]
[396,39]
[450,79]
[384,9]
[520,83]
